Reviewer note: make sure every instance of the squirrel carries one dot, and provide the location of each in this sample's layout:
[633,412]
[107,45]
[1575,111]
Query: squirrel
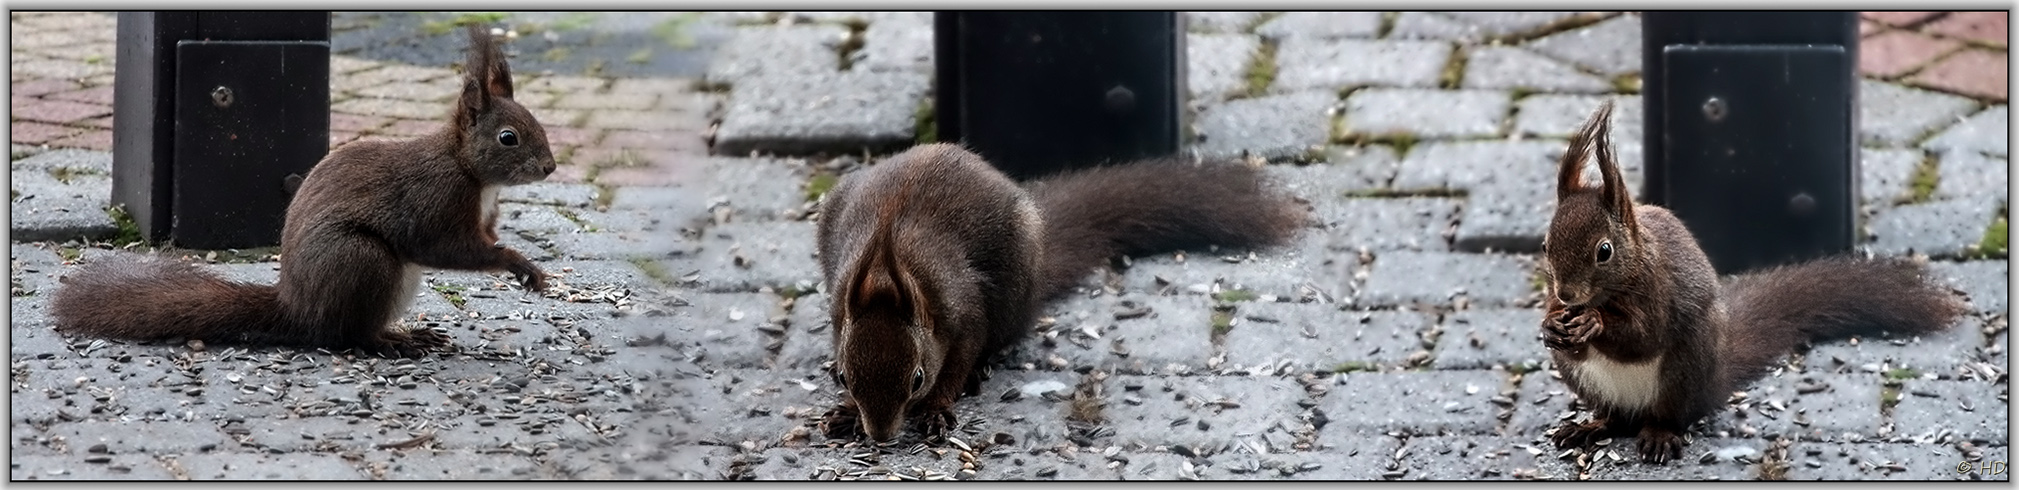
[1640,329]
[935,260]
[357,232]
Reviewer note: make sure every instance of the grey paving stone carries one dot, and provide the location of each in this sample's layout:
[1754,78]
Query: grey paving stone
[1313,337]
[1846,408]
[726,328]
[646,460]
[1410,223]
[1542,402]
[1411,402]
[744,257]
[1288,273]
[1469,164]
[755,189]
[638,220]
[1941,352]
[801,463]
[535,251]
[539,220]
[607,245]
[454,465]
[90,161]
[808,340]
[286,466]
[1984,132]
[1505,218]
[1344,169]
[1068,342]
[1690,467]
[1884,174]
[115,467]
[1338,64]
[822,112]
[1436,25]
[1220,22]
[1872,461]
[1322,25]
[149,437]
[551,193]
[45,208]
[1939,229]
[1610,47]
[1177,331]
[1469,457]
[1484,338]
[33,335]
[1985,281]
[1275,127]
[307,433]
[1896,116]
[768,51]
[1504,23]
[36,266]
[1460,113]
[1560,115]
[1498,67]
[1354,457]
[1403,278]
[1928,407]
[1970,175]
[897,44]
[1217,64]
[1261,409]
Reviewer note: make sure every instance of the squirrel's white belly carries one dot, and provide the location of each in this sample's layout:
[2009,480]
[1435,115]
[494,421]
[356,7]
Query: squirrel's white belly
[408,287]
[1629,387]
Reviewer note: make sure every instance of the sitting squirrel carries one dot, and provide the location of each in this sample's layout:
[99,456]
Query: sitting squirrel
[365,221]
[934,260]
[1639,327]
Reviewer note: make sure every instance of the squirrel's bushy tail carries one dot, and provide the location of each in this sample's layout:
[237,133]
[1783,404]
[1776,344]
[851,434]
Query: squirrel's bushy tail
[1771,312]
[1155,206]
[157,298]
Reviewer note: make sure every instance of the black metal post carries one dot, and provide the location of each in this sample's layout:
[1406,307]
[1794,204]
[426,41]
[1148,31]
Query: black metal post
[214,111]
[1751,131]
[1040,92]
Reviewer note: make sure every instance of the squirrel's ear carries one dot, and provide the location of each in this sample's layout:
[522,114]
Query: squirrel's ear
[476,96]
[879,288]
[1618,200]
[498,73]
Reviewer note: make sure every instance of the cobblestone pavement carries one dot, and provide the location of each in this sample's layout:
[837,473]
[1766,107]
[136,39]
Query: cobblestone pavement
[1395,341]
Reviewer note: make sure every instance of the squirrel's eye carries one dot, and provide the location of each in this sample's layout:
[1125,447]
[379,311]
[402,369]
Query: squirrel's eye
[508,138]
[1604,251]
[917,380]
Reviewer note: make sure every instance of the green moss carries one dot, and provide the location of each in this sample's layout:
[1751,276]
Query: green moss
[1902,373]
[453,293]
[573,21]
[128,229]
[70,254]
[1354,366]
[1626,84]
[676,31]
[1234,296]
[639,57]
[653,270]
[1921,186]
[440,27]
[1261,71]
[925,123]
[1454,70]
[1993,246]
[819,185]
[1223,322]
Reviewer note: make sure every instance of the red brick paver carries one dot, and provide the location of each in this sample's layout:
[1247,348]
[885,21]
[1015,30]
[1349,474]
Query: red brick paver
[100,140]
[42,86]
[56,111]
[1894,53]
[1900,19]
[35,133]
[1986,27]
[1974,72]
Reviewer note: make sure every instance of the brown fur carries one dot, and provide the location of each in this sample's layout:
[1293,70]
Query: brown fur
[1659,298]
[365,213]
[935,261]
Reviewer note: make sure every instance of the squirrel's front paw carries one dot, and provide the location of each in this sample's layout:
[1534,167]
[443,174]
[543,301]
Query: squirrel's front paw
[1568,331]
[936,423]
[841,422]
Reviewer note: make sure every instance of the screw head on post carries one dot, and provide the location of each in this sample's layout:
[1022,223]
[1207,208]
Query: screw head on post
[1121,100]
[221,96]
[1714,109]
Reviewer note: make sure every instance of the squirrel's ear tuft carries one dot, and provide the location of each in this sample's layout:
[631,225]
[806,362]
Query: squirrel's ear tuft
[1617,199]
[477,74]
[1583,146]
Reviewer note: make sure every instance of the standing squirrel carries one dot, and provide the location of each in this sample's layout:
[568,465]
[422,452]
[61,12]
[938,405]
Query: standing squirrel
[365,221]
[1640,329]
[934,261]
